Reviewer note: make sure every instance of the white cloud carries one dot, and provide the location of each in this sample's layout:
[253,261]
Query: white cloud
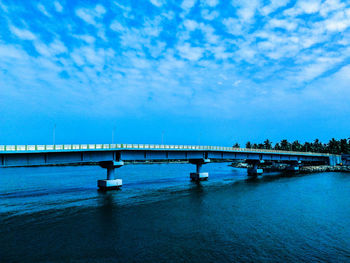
[309,7]
[246,10]
[152,28]
[281,23]
[92,59]
[86,16]
[206,14]
[101,31]
[220,52]
[77,58]
[100,10]
[3,7]
[22,33]
[58,6]
[123,7]
[43,10]
[90,15]
[158,49]
[210,3]
[116,26]
[233,26]
[55,48]
[304,7]
[338,22]
[10,51]
[331,5]
[190,24]
[87,38]
[209,33]
[168,15]
[187,5]
[331,91]
[132,38]
[191,53]
[125,10]
[273,6]
[157,3]
[246,53]
[318,65]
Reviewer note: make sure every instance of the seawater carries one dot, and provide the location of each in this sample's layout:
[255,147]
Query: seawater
[56,214]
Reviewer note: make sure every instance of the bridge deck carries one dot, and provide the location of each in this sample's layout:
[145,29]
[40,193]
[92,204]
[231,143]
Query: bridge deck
[37,155]
[6,149]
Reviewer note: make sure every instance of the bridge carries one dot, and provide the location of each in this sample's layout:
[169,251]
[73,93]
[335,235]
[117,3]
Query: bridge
[112,156]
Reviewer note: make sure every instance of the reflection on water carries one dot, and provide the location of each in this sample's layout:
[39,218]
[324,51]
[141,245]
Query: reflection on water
[56,214]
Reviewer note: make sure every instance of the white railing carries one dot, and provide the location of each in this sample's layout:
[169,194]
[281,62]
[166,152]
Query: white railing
[77,147]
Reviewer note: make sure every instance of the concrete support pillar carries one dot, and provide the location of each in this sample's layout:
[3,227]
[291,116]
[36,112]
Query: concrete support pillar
[255,170]
[198,167]
[198,175]
[110,173]
[293,167]
[110,183]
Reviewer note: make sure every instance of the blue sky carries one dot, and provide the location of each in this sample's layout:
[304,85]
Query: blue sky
[200,72]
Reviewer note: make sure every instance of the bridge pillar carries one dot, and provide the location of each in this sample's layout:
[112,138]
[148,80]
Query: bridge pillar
[110,183]
[198,175]
[255,170]
[293,167]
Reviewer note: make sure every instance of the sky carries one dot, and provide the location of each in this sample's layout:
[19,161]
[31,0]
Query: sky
[206,72]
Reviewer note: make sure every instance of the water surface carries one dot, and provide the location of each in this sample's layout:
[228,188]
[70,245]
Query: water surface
[56,214]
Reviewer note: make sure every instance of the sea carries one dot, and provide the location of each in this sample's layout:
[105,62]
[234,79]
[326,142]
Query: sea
[56,214]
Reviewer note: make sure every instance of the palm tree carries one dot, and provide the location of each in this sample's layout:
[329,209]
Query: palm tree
[317,146]
[267,144]
[248,145]
[296,146]
[285,145]
[277,146]
[307,147]
[236,145]
[333,146]
[344,147]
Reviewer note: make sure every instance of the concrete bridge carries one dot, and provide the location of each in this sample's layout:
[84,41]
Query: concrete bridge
[112,156]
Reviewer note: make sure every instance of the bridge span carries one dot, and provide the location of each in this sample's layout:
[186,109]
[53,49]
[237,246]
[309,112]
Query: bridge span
[112,156]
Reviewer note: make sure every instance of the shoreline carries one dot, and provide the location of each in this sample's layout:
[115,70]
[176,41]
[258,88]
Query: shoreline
[324,168]
[302,169]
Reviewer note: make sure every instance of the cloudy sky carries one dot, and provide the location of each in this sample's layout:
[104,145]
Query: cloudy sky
[197,71]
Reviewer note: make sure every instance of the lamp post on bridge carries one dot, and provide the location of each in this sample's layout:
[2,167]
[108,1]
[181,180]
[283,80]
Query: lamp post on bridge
[113,134]
[54,134]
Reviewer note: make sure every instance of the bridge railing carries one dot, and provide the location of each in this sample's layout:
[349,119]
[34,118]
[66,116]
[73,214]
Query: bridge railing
[75,147]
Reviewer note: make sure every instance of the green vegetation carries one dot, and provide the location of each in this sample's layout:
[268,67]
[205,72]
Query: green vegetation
[341,146]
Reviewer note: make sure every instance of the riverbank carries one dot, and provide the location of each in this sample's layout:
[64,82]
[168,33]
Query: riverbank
[324,168]
[302,169]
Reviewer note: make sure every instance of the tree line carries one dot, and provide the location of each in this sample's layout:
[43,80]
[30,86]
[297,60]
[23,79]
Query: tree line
[334,146]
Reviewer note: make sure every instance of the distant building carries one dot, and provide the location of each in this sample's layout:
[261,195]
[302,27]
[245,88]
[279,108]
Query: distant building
[345,159]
